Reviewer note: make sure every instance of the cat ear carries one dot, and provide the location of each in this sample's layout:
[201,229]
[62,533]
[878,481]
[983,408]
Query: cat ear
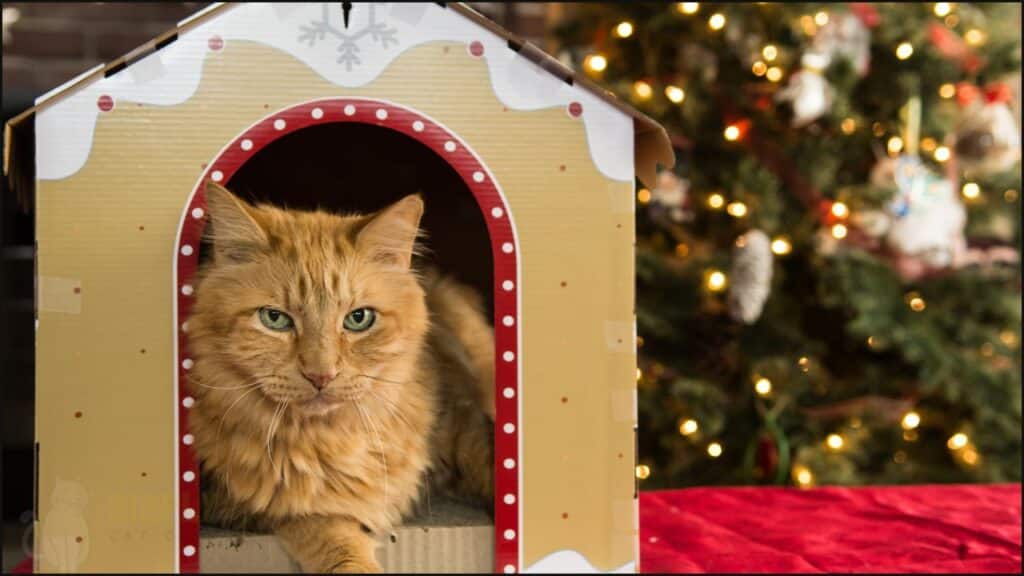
[390,235]
[235,234]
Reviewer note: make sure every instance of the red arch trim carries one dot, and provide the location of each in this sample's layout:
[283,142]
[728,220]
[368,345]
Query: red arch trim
[505,252]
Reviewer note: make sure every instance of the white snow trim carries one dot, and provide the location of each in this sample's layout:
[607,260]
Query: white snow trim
[572,562]
[171,76]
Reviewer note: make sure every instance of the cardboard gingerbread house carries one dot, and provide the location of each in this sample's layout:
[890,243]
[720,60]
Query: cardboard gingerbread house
[114,162]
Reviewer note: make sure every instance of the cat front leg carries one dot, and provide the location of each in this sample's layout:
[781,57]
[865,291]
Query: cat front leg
[329,544]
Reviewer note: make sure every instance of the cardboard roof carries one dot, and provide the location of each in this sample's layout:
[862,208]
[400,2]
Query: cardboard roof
[651,143]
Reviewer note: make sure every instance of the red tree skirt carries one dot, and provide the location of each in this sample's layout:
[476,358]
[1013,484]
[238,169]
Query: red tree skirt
[948,528]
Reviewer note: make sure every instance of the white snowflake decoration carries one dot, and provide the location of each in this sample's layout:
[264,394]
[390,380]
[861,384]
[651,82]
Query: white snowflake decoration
[348,47]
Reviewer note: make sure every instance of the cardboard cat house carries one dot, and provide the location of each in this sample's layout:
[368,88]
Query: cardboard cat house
[114,163]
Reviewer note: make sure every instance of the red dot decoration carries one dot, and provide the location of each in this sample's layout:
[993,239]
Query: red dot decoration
[489,198]
[476,48]
[575,109]
[105,103]
[215,43]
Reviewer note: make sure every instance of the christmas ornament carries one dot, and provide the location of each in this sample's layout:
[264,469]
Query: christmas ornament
[845,36]
[669,198]
[953,47]
[750,276]
[808,92]
[987,138]
[767,456]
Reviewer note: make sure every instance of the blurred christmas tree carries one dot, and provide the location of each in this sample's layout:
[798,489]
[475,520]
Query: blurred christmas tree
[828,285]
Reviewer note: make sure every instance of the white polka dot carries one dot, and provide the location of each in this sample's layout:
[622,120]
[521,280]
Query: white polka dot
[187,363]
[509,428]
[279,124]
[197,213]
[449,146]
[188,439]
[189,476]
[217,175]
[478,176]
[497,212]
[188,401]
[186,289]
[417,126]
[190,513]
[349,110]
[508,356]
[317,113]
[508,321]
[510,534]
[510,569]
[246,144]
[184,326]
[507,248]
[507,285]
[509,499]
[509,463]
[381,114]
[190,550]
[186,250]
[508,393]
[653,539]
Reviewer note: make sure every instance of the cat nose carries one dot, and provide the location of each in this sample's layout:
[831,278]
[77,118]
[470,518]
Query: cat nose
[320,381]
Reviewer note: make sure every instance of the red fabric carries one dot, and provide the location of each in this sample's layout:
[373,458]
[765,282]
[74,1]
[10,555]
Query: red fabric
[970,528]
[947,528]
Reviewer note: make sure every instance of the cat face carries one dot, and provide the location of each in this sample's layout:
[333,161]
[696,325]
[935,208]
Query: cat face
[310,308]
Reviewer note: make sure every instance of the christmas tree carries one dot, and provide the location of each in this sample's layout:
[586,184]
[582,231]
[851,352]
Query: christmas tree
[828,285]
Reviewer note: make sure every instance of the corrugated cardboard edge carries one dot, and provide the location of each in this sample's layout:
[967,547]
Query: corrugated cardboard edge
[651,144]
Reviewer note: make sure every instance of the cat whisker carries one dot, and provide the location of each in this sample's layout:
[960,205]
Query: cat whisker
[365,416]
[253,385]
[224,416]
[390,406]
[279,411]
[385,380]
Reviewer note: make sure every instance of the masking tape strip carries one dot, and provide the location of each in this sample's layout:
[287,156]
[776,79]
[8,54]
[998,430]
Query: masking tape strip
[60,294]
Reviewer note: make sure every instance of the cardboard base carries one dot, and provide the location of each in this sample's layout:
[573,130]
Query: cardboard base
[453,538]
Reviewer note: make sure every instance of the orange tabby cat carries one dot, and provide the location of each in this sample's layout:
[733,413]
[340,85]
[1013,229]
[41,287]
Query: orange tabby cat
[331,381]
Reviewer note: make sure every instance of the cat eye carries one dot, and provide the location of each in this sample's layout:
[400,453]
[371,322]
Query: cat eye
[360,319]
[275,319]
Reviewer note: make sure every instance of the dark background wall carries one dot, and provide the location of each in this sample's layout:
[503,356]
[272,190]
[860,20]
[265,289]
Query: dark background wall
[45,45]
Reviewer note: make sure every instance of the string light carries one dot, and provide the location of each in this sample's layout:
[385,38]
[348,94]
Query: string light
[835,441]
[910,420]
[716,281]
[689,426]
[714,449]
[596,62]
[643,471]
[848,126]
[802,475]
[763,386]
[736,209]
[675,93]
[910,435]
[1010,195]
[759,68]
[804,363]
[781,246]
[717,21]
[716,201]
[877,129]
[839,210]
[975,37]
[904,50]
[770,52]
[987,349]
[947,90]
[915,302]
[971,190]
[969,456]
[639,374]
[682,250]
[774,74]
[821,18]
[872,342]
[942,9]
[624,29]
[928,144]
[957,441]
[894,145]
[942,154]
[688,7]
[807,23]
[1008,338]
[952,20]
[731,133]
[642,90]
[839,231]
[643,195]
[899,457]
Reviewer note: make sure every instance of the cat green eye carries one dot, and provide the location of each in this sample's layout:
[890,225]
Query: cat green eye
[276,320]
[360,319]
